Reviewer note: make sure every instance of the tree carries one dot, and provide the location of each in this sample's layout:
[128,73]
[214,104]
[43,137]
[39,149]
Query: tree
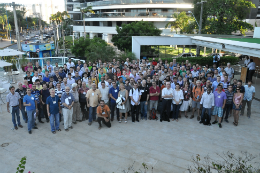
[182,21]
[223,17]
[83,11]
[123,39]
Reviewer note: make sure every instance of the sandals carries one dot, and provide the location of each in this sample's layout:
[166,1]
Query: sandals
[125,120]
[54,132]
[235,124]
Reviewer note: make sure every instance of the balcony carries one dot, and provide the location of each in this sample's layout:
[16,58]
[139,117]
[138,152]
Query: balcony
[128,2]
[150,14]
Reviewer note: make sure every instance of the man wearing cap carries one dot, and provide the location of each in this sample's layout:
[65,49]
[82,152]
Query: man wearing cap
[13,100]
[76,116]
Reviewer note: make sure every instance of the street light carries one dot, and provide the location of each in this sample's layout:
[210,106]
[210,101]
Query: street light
[190,12]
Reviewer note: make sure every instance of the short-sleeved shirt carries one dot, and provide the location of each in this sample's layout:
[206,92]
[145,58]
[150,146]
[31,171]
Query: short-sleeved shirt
[13,99]
[197,92]
[145,92]
[93,97]
[45,94]
[103,111]
[21,92]
[29,99]
[153,91]
[53,103]
[67,98]
[46,79]
[249,92]
[114,92]
[36,93]
[219,98]
[229,97]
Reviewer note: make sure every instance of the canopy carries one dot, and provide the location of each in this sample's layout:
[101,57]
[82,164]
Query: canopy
[10,52]
[3,63]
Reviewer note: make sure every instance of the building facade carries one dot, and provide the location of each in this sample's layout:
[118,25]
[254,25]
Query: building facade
[112,13]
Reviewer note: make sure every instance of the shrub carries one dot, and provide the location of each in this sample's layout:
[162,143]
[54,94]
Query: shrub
[203,60]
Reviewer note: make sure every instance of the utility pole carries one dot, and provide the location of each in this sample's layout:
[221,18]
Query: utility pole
[200,26]
[40,22]
[16,28]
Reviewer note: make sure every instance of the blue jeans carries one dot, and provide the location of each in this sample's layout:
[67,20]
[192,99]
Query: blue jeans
[92,113]
[30,123]
[176,110]
[15,111]
[143,109]
[56,118]
[23,112]
[209,110]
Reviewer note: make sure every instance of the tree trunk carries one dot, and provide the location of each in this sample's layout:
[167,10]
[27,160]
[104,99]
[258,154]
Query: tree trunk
[56,41]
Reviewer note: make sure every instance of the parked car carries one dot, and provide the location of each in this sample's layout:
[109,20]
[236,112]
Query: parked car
[186,55]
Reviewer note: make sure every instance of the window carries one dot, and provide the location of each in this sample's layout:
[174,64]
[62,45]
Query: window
[95,23]
[119,23]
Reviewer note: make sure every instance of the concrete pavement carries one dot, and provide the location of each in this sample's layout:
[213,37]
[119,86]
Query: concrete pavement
[166,146]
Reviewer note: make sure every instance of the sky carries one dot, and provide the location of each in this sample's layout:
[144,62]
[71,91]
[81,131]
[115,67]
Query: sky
[23,1]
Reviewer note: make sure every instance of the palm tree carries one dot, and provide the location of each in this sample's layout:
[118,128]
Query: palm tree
[53,18]
[86,10]
[181,21]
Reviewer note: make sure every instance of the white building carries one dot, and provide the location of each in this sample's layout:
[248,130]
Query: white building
[112,13]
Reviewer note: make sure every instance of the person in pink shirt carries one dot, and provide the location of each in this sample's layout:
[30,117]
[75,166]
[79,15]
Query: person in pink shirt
[26,85]
[28,67]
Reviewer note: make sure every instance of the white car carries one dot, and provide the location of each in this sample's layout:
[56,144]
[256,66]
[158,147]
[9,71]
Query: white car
[27,38]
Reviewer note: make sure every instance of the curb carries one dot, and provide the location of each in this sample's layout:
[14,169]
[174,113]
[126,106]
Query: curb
[8,46]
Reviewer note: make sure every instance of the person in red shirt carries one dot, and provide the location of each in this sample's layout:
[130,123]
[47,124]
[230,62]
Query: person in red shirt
[154,96]
[154,62]
[118,72]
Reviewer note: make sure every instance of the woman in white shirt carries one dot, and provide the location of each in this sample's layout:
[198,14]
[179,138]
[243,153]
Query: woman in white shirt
[177,101]
[85,78]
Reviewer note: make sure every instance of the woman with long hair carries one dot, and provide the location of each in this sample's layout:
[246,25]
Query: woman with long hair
[50,85]
[237,100]
[79,83]
[177,101]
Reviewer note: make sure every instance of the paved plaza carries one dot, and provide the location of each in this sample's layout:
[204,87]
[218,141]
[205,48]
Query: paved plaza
[167,147]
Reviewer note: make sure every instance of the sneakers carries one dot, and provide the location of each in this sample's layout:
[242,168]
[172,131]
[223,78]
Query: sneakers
[200,122]
[219,124]
[89,123]
[226,120]
[120,121]
[35,128]
[215,122]
[30,132]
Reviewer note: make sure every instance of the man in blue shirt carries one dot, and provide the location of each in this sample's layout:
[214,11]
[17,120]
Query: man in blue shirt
[46,77]
[31,107]
[248,98]
[67,100]
[53,109]
[113,94]
[62,73]
[44,95]
[215,83]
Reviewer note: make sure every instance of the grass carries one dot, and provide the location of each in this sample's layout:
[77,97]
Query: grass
[249,40]
[171,51]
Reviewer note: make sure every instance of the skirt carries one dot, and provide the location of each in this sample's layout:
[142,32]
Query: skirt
[237,109]
[184,106]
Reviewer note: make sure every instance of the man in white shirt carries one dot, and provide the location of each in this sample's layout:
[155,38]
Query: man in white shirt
[104,92]
[207,102]
[230,71]
[100,84]
[70,64]
[195,73]
[70,80]
[72,73]
[35,76]
[135,96]
[127,61]
[167,95]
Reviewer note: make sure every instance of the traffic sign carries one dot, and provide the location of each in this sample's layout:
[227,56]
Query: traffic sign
[38,50]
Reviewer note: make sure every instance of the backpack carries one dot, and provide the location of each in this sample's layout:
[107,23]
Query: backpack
[206,120]
[153,115]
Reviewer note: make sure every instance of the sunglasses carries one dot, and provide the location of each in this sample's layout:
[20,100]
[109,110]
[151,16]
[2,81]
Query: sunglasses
[238,89]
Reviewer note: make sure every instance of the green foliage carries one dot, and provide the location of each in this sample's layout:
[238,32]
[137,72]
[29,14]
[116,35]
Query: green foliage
[79,48]
[21,166]
[127,54]
[223,17]
[203,60]
[123,40]
[185,23]
[229,163]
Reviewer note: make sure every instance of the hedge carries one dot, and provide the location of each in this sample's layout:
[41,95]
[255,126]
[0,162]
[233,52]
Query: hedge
[203,60]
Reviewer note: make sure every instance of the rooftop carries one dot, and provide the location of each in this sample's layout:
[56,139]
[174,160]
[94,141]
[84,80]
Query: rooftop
[249,40]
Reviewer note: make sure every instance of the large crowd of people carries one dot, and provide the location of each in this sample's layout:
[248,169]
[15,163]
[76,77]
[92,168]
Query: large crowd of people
[96,91]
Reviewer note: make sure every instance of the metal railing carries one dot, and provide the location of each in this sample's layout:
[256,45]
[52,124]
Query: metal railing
[124,2]
[151,14]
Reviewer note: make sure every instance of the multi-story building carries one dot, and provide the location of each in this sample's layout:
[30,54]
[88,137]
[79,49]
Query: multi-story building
[112,13]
